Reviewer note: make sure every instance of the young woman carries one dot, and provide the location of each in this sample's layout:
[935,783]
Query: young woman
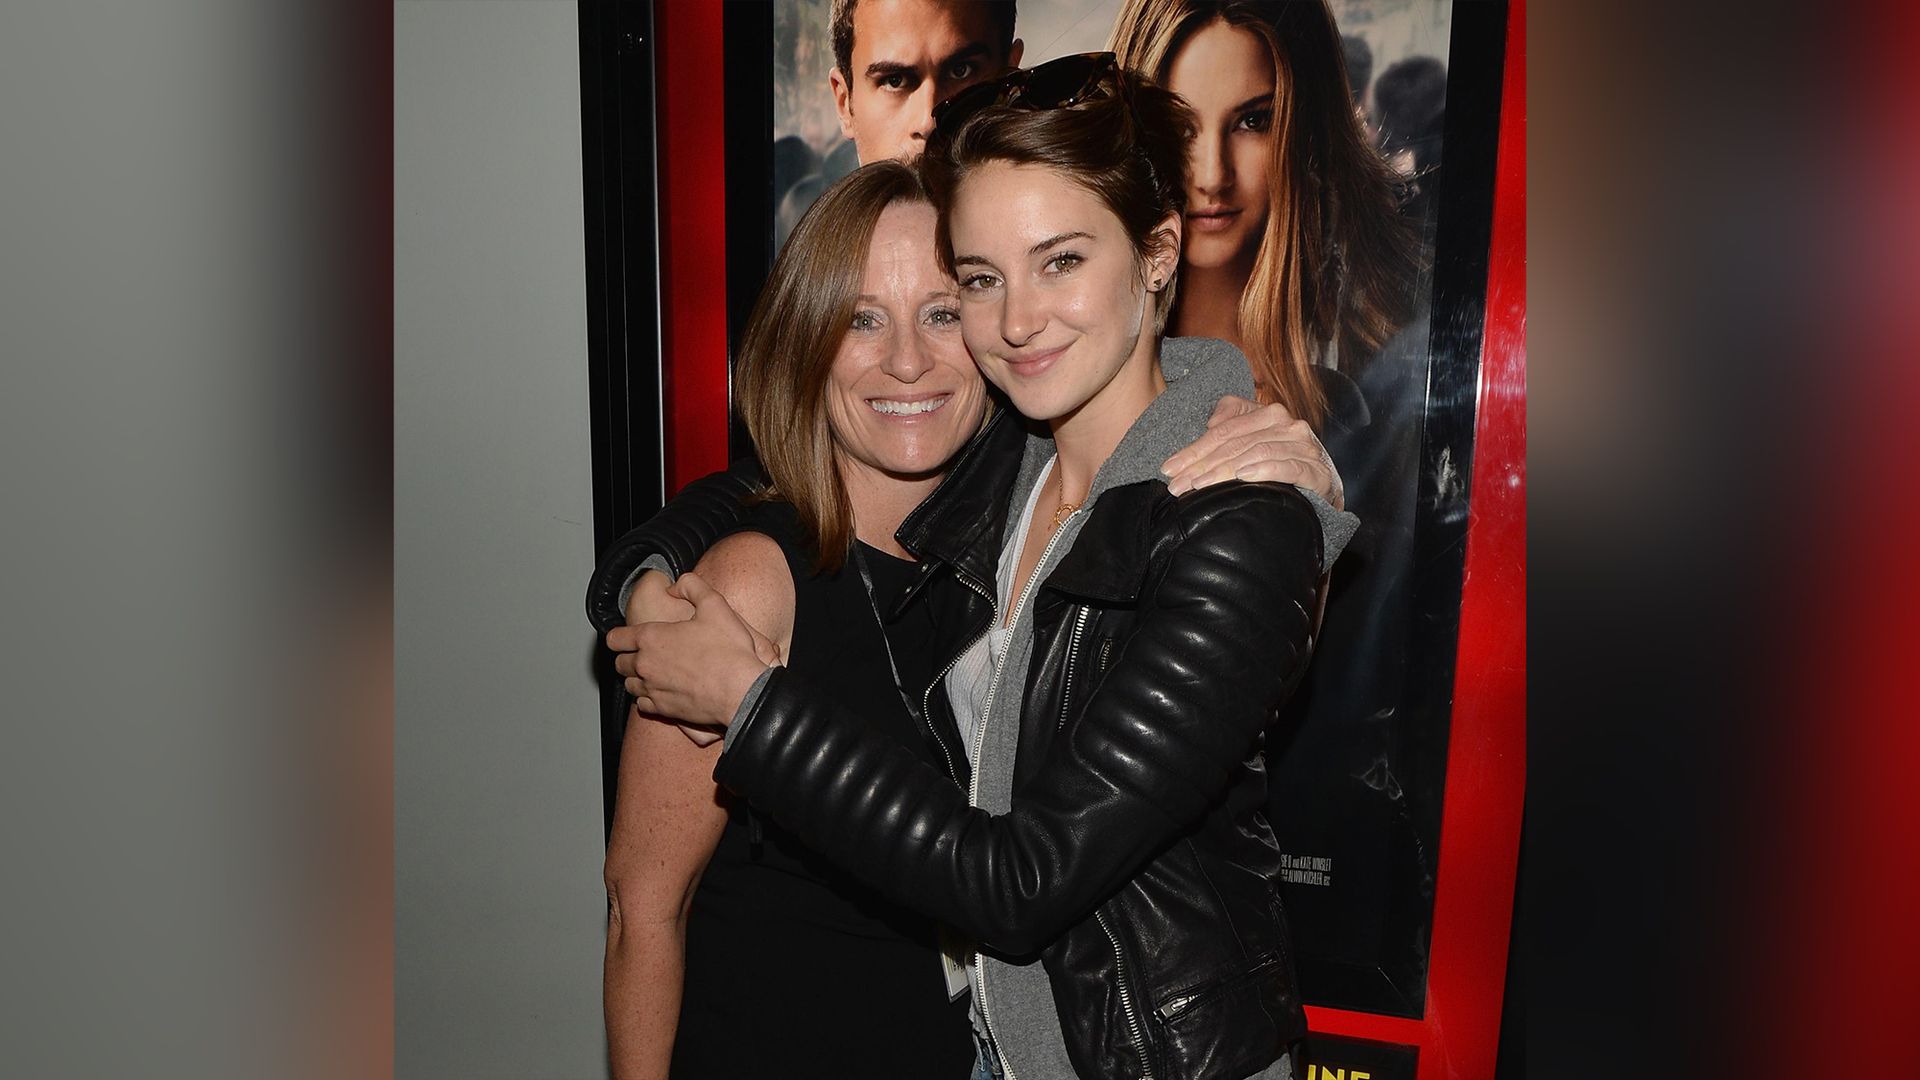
[732,950]
[1295,247]
[1120,650]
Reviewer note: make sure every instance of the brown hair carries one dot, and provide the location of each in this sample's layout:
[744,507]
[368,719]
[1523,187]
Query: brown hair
[1338,256]
[1126,145]
[788,348]
[840,26]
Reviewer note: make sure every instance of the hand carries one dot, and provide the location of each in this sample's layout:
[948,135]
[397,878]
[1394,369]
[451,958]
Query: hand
[701,737]
[1245,441]
[650,602]
[697,671]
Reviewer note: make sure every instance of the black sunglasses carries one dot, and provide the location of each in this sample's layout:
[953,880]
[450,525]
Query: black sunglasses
[1055,84]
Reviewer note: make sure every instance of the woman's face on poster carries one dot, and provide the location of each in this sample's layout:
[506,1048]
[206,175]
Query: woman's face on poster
[1227,75]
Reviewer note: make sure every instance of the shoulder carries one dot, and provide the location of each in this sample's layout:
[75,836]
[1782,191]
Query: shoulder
[750,569]
[1238,519]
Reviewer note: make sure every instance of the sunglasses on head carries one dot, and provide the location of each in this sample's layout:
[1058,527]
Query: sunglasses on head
[1055,84]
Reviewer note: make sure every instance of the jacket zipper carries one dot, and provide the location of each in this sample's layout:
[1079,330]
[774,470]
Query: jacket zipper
[926,699]
[1066,681]
[979,745]
[1174,1007]
[1126,996]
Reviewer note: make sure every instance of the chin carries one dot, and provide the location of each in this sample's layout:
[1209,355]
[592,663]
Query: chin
[1040,405]
[1212,252]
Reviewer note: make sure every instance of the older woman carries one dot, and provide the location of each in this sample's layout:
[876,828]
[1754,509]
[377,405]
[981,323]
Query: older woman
[732,949]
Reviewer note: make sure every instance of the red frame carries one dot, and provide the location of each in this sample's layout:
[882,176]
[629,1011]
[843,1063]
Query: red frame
[1486,768]
[690,93]
[1459,1036]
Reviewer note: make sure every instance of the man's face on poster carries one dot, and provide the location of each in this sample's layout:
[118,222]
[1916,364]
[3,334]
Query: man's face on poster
[908,56]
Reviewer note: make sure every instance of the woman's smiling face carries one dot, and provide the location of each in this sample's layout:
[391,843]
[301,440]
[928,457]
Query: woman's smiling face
[1053,303]
[1227,76]
[902,396]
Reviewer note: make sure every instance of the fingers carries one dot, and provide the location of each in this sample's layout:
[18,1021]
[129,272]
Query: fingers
[709,602]
[1231,455]
[1289,471]
[764,649]
[643,710]
[702,737]
[1238,434]
[1225,409]
[691,588]
[653,602]
[1229,407]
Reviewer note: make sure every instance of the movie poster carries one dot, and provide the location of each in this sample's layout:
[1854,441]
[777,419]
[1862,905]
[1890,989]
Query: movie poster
[1358,759]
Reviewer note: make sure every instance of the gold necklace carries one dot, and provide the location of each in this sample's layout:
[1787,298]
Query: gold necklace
[1061,513]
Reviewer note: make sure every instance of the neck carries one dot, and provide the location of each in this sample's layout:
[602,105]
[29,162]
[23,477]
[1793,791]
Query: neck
[881,501]
[1210,302]
[1085,438]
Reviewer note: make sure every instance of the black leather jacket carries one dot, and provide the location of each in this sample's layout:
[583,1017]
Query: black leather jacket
[1136,861]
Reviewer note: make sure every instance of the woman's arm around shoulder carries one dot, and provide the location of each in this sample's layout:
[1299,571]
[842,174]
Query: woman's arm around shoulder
[678,535]
[1222,633]
[668,817]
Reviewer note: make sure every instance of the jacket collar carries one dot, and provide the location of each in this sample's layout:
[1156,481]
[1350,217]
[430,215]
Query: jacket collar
[962,521]
[1105,559]
[1104,562]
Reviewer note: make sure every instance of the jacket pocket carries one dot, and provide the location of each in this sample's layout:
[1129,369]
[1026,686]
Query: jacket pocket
[1232,1026]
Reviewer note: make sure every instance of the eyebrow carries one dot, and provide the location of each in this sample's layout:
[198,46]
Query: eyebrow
[932,294]
[1053,241]
[966,52]
[880,69]
[1255,102]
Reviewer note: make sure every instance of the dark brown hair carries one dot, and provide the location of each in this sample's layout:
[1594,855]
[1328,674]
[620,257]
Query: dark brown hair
[788,348]
[1338,257]
[841,29]
[1127,144]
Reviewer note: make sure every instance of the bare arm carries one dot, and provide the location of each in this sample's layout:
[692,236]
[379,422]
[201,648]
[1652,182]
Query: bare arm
[668,817]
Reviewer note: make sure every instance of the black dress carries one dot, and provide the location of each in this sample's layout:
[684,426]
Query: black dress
[795,969]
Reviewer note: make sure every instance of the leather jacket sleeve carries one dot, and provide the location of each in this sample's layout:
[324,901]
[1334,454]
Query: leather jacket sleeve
[681,532]
[1221,636]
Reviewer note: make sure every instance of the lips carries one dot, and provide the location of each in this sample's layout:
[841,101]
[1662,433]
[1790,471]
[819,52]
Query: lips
[908,407]
[1212,218]
[1031,364]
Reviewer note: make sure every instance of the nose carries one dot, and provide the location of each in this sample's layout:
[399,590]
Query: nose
[1212,166]
[908,360]
[1021,317]
[920,111]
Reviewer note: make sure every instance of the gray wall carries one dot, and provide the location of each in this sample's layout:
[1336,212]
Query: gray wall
[499,912]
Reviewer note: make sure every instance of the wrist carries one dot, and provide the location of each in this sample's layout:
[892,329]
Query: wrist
[737,681]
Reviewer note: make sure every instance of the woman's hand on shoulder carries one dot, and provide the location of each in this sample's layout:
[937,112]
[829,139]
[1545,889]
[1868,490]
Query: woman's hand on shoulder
[1245,441]
[697,671]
